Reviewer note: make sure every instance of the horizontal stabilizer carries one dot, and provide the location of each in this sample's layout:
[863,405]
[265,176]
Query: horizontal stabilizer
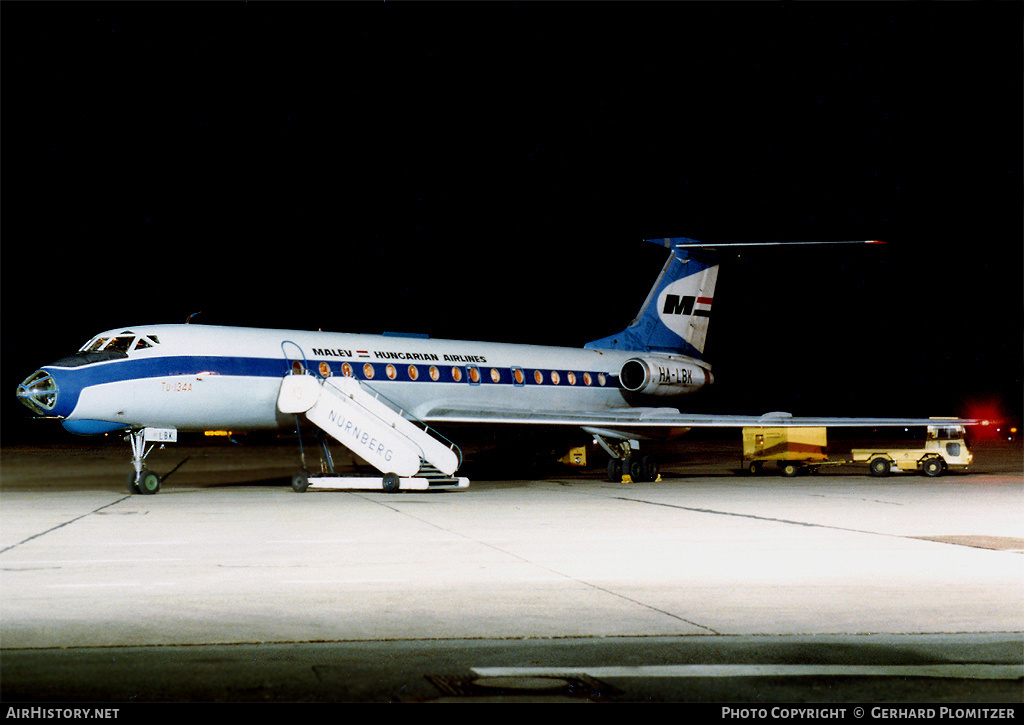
[687,243]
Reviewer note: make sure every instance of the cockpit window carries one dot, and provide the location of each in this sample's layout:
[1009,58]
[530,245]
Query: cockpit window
[120,344]
[146,342]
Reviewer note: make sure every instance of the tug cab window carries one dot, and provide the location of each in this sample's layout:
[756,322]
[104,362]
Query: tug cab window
[945,433]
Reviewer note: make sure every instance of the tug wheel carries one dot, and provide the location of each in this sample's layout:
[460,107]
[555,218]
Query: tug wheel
[932,467]
[879,467]
[300,482]
[789,469]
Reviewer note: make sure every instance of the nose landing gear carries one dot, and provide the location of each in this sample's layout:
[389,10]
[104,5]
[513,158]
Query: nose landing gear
[141,479]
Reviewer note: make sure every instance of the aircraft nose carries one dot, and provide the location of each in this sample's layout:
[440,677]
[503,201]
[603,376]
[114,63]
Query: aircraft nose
[39,393]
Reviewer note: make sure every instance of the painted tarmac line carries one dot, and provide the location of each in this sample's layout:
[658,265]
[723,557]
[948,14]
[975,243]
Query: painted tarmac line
[65,562]
[277,542]
[952,671]
[344,581]
[111,585]
[145,543]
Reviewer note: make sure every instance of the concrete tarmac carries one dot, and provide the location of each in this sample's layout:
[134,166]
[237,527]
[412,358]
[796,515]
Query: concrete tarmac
[708,586]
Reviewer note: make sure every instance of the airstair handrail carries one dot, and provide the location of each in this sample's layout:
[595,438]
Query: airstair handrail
[305,362]
[437,435]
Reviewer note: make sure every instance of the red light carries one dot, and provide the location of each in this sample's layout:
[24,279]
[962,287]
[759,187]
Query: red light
[989,414]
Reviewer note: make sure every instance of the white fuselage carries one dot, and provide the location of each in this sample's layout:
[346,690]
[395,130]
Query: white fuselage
[197,377]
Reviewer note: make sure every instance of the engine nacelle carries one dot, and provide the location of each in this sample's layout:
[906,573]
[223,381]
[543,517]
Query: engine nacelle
[663,376]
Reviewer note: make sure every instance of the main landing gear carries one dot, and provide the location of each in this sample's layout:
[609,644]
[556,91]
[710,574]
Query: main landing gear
[638,468]
[626,460]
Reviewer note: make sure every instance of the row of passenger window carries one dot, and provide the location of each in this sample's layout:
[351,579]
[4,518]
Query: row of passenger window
[471,374]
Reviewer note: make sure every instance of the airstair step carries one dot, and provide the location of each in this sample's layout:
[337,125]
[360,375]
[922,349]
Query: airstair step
[434,476]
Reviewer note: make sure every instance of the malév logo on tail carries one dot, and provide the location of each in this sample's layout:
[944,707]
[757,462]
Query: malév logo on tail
[675,305]
[685,299]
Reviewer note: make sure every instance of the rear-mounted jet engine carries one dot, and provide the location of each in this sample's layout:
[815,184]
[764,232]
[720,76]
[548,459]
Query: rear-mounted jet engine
[663,376]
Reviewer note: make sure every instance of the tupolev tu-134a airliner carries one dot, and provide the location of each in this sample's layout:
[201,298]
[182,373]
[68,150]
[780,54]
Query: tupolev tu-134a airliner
[382,396]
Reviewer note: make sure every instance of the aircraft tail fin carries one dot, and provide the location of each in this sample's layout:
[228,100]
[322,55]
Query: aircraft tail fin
[675,316]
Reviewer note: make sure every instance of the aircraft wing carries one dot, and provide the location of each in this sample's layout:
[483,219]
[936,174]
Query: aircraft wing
[665,418]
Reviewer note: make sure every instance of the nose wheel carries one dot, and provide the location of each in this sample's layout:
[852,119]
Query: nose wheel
[145,482]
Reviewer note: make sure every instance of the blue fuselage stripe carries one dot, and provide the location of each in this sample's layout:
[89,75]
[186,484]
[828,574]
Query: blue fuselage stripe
[71,381]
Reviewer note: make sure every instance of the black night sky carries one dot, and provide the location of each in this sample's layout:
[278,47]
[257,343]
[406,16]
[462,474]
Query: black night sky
[488,171]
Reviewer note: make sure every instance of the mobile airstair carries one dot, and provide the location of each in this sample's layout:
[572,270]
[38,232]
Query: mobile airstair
[410,455]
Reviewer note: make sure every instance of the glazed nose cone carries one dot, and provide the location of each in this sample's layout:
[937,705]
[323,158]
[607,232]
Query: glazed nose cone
[39,393]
